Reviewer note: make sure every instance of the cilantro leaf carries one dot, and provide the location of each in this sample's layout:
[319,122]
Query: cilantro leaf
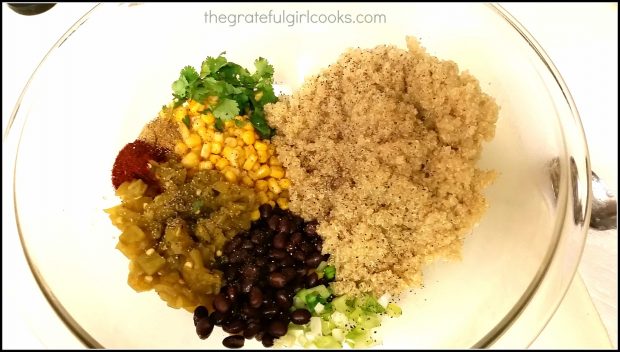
[263,69]
[186,121]
[226,109]
[219,125]
[179,87]
[260,124]
[190,74]
[212,64]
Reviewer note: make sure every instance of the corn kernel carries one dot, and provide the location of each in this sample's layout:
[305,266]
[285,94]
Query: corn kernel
[195,107]
[197,124]
[232,155]
[180,148]
[216,148]
[282,203]
[259,145]
[249,149]
[273,161]
[248,127]
[214,158]
[229,175]
[197,149]
[255,215]
[205,165]
[193,140]
[255,167]
[229,123]
[205,151]
[235,170]
[208,118]
[202,132]
[274,186]
[190,160]
[262,197]
[261,185]
[180,113]
[218,137]
[248,137]
[230,141]
[183,130]
[221,164]
[240,142]
[263,156]
[272,203]
[246,180]
[277,172]
[263,171]
[285,183]
[250,161]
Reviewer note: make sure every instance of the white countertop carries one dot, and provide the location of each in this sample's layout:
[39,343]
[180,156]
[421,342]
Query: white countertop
[582,41]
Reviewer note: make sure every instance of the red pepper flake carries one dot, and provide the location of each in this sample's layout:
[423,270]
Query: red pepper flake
[132,162]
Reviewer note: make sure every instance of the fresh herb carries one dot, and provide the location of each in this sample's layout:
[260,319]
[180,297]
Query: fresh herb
[197,205]
[329,272]
[186,121]
[238,91]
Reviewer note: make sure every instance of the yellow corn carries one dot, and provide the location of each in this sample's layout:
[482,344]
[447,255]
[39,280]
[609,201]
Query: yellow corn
[221,164]
[285,183]
[230,142]
[180,148]
[180,113]
[255,167]
[195,106]
[218,137]
[232,155]
[205,165]
[216,148]
[193,140]
[183,130]
[205,152]
[273,161]
[262,197]
[263,156]
[214,158]
[246,180]
[208,118]
[274,186]
[197,124]
[229,123]
[250,161]
[282,203]
[248,127]
[261,185]
[197,149]
[190,160]
[248,137]
[272,203]
[259,145]
[255,215]
[263,171]
[230,175]
[202,132]
[277,172]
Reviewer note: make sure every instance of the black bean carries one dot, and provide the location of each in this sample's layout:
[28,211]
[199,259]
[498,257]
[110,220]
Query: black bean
[319,246]
[267,340]
[265,211]
[312,280]
[221,303]
[314,259]
[258,237]
[289,273]
[273,222]
[234,341]
[310,228]
[284,226]
[277,254]
[260,261]
[233,327]
[199,313]
[256,297]
[269,310]
[232,293]
[204,328]
[271,267]
[246,285]
[259,335]
[277,328]
[277,280]
[299,256]
[251,330]
[283,299]
[300,316]
[287,262]
[235,242]
[249,313]
[306,247]
[296,238]
[217,318]
[280,240]
[247,245]
[290,248]
[301,271]
[250,272]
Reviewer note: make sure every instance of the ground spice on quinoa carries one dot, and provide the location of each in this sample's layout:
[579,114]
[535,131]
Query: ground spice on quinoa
[132,162]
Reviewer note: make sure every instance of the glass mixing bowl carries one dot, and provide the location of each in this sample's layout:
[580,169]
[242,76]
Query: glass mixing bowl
[111,72]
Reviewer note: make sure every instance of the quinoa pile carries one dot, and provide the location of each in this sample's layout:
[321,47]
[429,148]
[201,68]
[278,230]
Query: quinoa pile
[381,148]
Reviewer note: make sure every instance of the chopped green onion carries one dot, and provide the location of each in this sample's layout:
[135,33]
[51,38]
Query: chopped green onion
[329,272]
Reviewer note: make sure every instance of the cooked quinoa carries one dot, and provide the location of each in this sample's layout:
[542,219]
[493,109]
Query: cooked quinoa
[381,148]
